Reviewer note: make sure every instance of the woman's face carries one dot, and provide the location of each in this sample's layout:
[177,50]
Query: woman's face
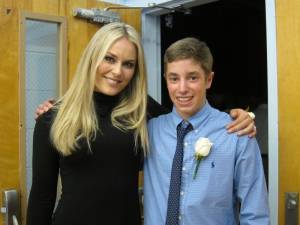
[117,68]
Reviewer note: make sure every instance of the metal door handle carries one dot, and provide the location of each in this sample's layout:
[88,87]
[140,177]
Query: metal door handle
[15,220]
[291,208]
[11,207]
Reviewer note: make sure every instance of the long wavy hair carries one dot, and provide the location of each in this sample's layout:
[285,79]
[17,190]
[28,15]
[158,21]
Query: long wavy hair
[75,112]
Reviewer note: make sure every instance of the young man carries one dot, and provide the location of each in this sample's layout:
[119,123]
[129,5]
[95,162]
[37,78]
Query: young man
[226,184]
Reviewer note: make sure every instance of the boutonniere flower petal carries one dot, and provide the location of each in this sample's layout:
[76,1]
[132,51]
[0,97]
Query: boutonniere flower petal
[202,149]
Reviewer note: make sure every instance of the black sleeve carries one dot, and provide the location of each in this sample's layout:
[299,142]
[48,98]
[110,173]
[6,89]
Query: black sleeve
[154,109]
[45,167]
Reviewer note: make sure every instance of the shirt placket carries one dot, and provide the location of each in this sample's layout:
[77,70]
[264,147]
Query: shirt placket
[186,167]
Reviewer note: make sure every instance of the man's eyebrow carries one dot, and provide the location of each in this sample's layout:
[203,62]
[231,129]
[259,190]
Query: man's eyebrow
[172,74]
[193,73]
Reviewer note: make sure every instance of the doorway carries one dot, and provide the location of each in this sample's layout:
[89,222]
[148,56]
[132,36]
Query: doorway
[235,31]
[245,71]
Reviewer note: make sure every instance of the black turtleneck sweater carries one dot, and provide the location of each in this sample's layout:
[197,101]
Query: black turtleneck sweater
[98,187]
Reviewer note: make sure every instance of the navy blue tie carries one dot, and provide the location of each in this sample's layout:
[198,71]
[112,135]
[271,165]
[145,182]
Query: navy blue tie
[175,184]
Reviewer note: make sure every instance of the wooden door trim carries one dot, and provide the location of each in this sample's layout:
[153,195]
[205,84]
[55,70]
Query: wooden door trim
[62,84]
[272,110]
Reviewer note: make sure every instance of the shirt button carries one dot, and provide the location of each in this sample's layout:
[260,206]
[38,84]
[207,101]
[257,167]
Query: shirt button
[179,217]
[196,131]
[181,193]
[185,144]
[183,168]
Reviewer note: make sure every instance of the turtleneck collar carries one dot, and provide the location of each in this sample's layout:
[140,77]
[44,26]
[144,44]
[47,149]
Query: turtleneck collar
[104,103]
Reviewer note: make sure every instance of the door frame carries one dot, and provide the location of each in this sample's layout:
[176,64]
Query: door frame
[151,34]
[62,85]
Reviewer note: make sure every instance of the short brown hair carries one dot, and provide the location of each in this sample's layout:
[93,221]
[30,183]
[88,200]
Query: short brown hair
[190,48]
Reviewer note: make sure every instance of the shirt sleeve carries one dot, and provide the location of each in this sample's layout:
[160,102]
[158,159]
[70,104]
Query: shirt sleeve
[250,183]
[154,109]
[45,167]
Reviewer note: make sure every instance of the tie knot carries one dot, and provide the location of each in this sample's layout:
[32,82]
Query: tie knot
[183,128]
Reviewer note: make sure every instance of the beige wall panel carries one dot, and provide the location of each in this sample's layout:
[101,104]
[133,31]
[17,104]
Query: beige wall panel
[46,6]
[80,30]
[8,4]
[288,45]
[9,86]
[131,16]
[77,35]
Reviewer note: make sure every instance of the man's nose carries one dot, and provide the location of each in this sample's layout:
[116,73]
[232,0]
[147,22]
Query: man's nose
[182,86]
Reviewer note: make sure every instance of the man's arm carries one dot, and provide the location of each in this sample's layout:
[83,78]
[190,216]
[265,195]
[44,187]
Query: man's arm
[249,183]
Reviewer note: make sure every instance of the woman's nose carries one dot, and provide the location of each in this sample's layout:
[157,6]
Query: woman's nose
[117,68]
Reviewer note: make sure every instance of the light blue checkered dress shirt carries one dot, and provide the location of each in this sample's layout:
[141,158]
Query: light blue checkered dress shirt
[231,173]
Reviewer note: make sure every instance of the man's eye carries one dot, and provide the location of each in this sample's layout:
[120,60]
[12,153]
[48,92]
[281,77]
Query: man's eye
[173,79]
[193,78]
[109,59]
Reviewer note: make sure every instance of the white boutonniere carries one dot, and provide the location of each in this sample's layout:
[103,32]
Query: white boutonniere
[202,149]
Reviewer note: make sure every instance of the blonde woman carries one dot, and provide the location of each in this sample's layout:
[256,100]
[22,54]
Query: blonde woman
[94,136]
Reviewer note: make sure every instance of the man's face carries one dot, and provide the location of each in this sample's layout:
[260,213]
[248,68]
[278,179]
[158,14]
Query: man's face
[187,85]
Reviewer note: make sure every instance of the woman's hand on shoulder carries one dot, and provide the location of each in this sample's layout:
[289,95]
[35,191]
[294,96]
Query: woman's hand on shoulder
[243,123]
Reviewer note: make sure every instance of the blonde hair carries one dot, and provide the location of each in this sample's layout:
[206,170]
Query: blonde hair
[76,117]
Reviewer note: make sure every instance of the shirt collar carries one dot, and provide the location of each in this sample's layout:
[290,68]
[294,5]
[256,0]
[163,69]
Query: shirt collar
[196,119]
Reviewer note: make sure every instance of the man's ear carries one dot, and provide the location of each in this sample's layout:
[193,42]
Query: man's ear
[209,80]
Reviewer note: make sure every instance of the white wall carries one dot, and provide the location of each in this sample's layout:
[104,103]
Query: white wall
[136,3]
[41,79]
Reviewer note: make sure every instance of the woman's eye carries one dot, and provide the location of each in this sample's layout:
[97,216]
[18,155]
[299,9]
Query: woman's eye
[109,59]
[129,65]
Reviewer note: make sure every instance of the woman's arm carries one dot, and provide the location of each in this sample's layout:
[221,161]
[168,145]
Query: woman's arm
[45,166]
[243,124]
